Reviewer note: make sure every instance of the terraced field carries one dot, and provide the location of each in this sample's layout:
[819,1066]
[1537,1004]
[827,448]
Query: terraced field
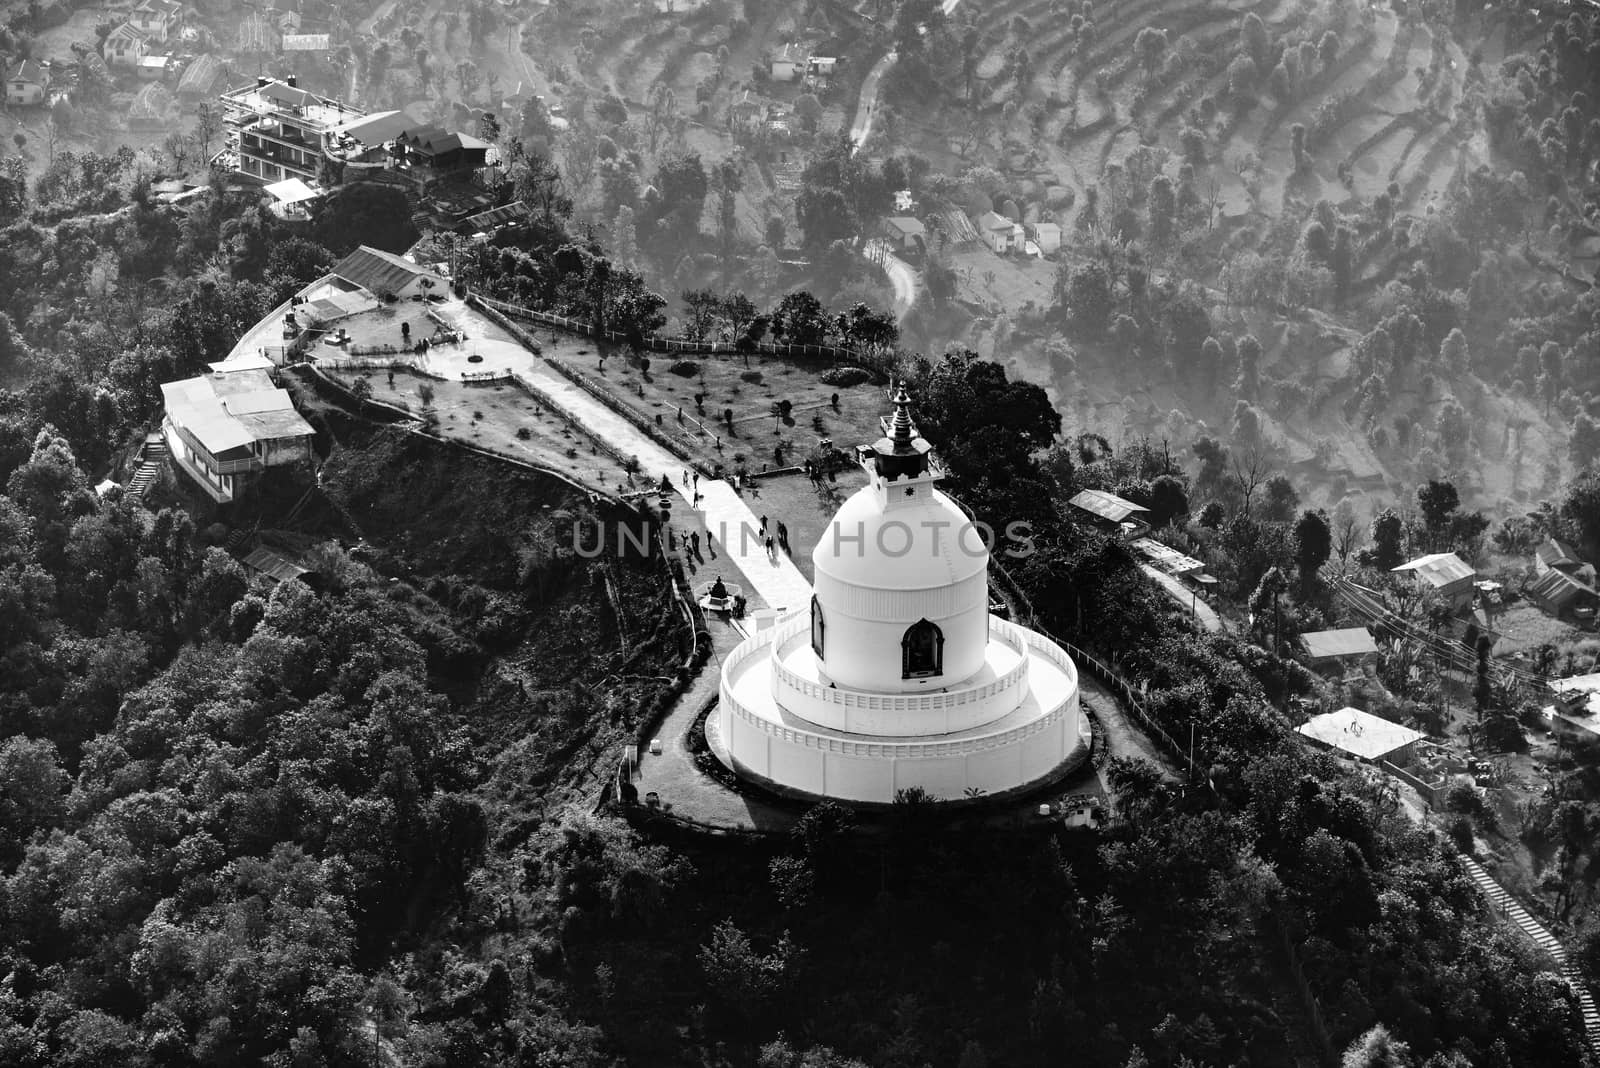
[1380,110]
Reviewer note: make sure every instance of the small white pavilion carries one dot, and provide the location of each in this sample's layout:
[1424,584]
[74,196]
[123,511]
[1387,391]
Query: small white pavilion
[898,676]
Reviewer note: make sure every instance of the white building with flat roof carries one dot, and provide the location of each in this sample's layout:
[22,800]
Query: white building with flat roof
[1362,735]
[898,676]
[225,427]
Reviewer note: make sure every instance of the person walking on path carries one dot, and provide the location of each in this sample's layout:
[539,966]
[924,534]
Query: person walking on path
[783,536]
[772,553]
[763,524]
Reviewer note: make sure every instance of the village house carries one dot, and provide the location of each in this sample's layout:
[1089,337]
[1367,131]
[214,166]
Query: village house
[1047,235]
[904,202]
[1112,513]
[1445,574]
[1339,650]
[125,46]
[1575,716]
[157,19]
[1564,595]
[1363,736]
[819,70]
[999,233]
[1555,554]
[905,234]
[27,84]
[225,428]
[788,63]
[748,112]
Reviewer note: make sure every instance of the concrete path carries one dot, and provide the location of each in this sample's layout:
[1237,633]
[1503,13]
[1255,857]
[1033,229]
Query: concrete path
[901,276]
[867,107]
[1184,597]
[723,514]
[673,776]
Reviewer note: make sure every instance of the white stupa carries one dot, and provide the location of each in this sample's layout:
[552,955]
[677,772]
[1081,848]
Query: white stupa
[898,676]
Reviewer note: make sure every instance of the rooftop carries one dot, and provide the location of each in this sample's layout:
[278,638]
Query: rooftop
[233,410]
[1334,644]
[381,272]
[1558,586]
[29,70]
[907,225]
[1580,701]
[1165,557]
[1358,733]
[1553,552]
[1439,569]
[1105,505]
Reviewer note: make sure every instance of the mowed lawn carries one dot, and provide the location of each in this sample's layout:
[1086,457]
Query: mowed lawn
[726,384]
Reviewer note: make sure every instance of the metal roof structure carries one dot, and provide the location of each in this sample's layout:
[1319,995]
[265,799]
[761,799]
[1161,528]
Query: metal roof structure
[305,42]
[906,225]
[1358,734]
[376,129]
[1439,569]
[1165,557]
[291,191]
[1337,644]
[274,565]
[1556,587]
[1107,506]
[1553,552]
[233,410]
[493,219]
[380,272]
[255,362]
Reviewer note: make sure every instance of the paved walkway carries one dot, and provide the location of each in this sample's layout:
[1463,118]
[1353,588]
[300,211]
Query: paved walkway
[673,775]
[901,276]
[1185,597]
[723,514]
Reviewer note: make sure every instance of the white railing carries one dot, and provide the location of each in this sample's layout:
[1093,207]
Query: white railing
[761,643]
[915,702]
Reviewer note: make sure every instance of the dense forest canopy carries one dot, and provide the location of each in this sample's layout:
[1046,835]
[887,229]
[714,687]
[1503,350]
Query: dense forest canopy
[288,827]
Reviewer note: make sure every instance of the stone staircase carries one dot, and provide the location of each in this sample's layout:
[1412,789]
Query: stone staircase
[151,459]
[1508,907]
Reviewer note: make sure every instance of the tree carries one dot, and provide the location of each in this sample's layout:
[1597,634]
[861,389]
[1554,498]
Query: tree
[207,124]
[800,319]
[1162,204]
[1584,445]
[1453,352]
[1281,499]
[1376,1049]
[1438,501]
[1086,297]
[809,110]
[681,185]
[1248,382]
[1313,541]
[362,213]
[624,238]
[1151,46]
[1387,551]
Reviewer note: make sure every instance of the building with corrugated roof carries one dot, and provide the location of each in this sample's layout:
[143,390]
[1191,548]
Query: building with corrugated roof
[1112,513]
[27,83]
[383,274]
[226,427]
[1445,574]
